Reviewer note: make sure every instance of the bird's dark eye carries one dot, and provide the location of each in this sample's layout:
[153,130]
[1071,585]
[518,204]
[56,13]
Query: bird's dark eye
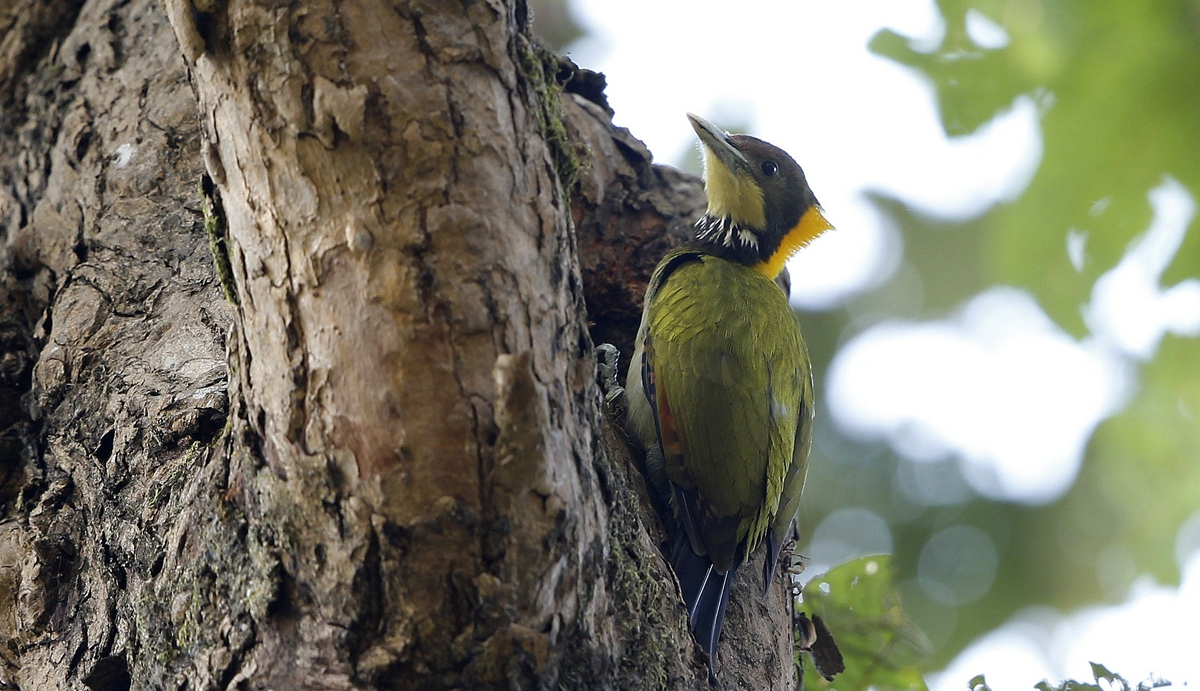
[769,168]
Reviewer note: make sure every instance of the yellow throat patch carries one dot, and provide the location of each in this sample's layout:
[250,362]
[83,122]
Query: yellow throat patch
[811,225]
[732,195]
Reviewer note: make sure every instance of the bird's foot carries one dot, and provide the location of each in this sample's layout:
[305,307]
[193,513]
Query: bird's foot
[607,357]
[794,566]
[793,559]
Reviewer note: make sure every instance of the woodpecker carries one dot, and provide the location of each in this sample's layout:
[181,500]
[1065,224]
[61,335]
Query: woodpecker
[720,388]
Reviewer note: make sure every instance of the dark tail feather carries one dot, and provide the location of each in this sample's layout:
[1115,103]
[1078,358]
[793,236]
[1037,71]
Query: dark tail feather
[710,613]
[693,572]
[706,594]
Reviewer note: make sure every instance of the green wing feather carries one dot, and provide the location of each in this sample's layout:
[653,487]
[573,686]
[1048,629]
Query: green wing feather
[733,382]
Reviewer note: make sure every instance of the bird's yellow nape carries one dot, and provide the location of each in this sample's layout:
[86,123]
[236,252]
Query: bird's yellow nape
[812,224]
[732,194]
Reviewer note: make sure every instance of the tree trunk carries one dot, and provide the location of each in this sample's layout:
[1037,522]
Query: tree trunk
[383,464]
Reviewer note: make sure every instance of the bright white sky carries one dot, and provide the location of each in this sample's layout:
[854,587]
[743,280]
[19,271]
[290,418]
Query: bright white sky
[859,123]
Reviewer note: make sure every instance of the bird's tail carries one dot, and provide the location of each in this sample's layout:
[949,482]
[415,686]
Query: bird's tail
[705,592]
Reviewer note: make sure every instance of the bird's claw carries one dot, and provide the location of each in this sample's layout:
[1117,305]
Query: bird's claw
[607,357]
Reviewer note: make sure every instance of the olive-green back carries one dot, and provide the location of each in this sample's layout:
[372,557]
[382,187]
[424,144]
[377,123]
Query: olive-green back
[729,360]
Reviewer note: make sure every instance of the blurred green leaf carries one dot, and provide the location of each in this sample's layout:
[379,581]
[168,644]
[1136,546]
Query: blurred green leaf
[1113,681]
[859,604]
[1068,685]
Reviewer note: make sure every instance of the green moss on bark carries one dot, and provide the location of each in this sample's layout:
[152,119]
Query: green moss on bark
[541,66]
[216,230]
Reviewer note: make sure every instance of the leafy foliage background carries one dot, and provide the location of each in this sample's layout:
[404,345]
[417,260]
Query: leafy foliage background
[1120,110]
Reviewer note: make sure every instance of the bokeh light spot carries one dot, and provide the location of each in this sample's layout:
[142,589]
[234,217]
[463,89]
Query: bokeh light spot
[846,534]
[958,565]
[986,33]
[1187,540]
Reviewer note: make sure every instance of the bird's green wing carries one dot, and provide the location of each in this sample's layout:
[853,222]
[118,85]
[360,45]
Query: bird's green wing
[729,371]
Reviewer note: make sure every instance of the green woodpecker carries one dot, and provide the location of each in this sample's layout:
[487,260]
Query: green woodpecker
[720,390]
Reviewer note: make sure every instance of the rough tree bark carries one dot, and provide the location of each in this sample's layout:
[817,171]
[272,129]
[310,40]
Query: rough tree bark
[384,465]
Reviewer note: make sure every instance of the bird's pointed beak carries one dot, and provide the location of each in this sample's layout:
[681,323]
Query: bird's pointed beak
[719,143]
